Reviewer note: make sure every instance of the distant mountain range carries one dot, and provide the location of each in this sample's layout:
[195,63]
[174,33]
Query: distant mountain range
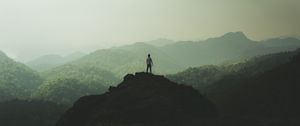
[232,46]
[48,62]
[177,56]
[160,42]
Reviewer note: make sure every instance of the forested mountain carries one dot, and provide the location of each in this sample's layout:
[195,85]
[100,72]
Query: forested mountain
[66,91]
[203,78]
[16,79]
[63,84]
[48,62]
[274,93]
[84,73]
[67,83]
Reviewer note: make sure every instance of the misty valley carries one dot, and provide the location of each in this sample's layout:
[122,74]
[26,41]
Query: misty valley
[227,80]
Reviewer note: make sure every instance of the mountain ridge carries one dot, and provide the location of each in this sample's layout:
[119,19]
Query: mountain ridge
[47,62]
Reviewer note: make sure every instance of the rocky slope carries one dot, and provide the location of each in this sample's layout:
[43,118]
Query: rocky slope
[140,98]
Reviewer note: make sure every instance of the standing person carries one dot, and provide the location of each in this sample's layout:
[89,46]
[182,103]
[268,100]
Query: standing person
[149,63]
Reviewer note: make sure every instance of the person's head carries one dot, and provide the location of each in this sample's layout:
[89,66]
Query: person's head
[148,55]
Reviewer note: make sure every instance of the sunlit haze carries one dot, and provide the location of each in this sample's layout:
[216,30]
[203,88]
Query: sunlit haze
[31,28]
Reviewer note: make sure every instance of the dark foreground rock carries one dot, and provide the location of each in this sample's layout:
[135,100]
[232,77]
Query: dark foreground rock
[140,98]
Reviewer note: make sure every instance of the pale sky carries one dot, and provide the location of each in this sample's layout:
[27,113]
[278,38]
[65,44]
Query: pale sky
[30,28]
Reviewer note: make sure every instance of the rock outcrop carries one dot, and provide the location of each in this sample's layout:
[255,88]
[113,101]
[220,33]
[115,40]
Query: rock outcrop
[140,98]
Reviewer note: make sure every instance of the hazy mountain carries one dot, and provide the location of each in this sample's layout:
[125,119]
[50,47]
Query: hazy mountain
[16,79]
[140,99]
[47,62]
[289,36]
[130,59]
[160,42]
[232,46]
[282,43]
[175,57]
[211,51]
[74,56]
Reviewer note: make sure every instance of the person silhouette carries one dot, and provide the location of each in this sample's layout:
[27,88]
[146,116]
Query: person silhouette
[149,64]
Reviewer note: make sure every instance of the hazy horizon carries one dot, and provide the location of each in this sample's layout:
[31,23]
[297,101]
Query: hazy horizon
[32,28]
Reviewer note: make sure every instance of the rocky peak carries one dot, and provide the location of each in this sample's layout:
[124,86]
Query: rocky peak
[140,98]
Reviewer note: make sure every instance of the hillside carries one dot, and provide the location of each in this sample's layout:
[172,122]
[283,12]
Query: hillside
[48,62]
[264,87]
[140,98]
[205,78]
[65,84]
[16,79]
[275,93]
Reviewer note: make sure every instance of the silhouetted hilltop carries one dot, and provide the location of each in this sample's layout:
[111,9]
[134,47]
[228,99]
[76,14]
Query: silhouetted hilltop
[140,98]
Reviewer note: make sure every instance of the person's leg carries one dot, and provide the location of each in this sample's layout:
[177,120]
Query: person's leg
[147,68]
[150,68]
